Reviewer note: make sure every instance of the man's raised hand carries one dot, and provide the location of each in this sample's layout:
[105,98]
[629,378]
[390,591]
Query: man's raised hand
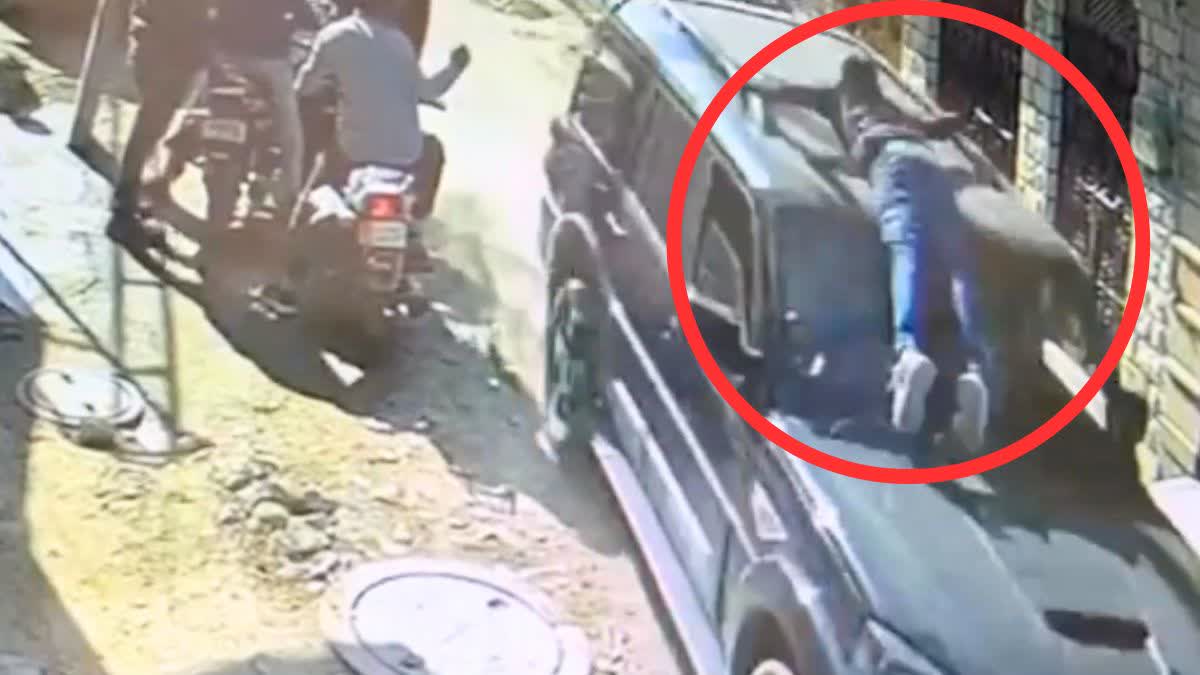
[460,57]
[946,125]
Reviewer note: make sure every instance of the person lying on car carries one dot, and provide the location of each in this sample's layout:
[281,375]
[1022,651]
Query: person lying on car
[920,224]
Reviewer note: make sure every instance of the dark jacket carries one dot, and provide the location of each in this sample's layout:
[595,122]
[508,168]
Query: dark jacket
[164,32]
[261,28]
[412,15]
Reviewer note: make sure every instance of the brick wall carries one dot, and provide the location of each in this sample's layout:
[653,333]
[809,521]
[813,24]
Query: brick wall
[1039,131]
[1162,365]
[919,53]
[885,35]
[1165,145]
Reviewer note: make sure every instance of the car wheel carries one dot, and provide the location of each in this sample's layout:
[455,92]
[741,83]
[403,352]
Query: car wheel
[771,667]
[573,387]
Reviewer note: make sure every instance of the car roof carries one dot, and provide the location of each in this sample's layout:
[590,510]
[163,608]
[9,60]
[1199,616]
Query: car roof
[692,65]
[793,155]
[699,43]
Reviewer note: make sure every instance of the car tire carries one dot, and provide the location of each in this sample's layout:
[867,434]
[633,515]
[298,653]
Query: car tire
[771,667]
[573,371]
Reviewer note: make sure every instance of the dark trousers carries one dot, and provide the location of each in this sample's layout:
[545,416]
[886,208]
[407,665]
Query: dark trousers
[163,84]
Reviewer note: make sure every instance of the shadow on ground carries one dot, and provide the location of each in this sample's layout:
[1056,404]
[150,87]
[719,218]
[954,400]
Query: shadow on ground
[34,623]
[1081,484]
[444,377]
[57,32]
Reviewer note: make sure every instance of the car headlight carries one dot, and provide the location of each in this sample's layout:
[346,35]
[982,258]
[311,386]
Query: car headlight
[880,651]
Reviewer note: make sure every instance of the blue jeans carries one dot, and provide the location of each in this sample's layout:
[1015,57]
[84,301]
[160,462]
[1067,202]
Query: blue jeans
[924,231]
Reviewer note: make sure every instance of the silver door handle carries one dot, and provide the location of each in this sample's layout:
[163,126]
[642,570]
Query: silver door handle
[614,225]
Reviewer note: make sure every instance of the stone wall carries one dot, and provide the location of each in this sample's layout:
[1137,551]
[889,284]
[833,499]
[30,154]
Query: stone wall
[1163,144]
[1162,365]
[1040,116]
[919,53]
[885,35]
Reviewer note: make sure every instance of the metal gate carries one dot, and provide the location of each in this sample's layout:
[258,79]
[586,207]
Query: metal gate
[1092,206]
[982,70]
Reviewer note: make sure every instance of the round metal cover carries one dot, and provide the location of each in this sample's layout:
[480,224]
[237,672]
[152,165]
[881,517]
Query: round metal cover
[69,396]
[431,617]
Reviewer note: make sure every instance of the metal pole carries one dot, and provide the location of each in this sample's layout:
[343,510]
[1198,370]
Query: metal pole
[88,96]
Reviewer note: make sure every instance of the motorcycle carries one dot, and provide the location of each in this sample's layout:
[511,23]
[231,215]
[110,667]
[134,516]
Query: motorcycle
[358,280]
[232,137]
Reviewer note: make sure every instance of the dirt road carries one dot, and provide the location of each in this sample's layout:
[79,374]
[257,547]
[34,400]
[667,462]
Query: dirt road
[213,563]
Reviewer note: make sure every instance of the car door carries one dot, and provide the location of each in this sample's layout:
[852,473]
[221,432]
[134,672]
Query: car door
[722,275]
[678,467]
[633,133]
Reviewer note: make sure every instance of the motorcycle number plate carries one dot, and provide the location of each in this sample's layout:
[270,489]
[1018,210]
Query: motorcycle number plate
[392,234]
[228,131]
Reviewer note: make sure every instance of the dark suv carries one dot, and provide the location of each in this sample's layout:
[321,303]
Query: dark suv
[1054,564]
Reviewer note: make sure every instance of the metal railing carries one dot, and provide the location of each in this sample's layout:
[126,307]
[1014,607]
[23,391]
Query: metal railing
[980,71]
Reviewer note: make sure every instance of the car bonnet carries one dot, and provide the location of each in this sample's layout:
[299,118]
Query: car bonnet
[980,593]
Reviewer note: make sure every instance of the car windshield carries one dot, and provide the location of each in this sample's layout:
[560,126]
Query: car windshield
[835,306]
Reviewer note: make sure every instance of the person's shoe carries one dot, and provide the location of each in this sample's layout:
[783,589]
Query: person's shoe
[127,230]
[970,420]
[912,378]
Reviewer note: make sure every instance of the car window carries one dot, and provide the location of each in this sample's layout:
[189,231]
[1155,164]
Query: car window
[824,298]
[660,140]
[604,98]
[717,278]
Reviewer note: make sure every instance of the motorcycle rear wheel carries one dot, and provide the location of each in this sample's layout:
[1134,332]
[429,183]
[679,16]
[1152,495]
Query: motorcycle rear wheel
[358,332]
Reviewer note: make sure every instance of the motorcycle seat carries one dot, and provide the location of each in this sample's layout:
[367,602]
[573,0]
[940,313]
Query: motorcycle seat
[374,179]
[327,203]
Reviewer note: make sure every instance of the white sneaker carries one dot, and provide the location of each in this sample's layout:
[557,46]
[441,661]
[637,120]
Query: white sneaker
[970,421]
[912,378]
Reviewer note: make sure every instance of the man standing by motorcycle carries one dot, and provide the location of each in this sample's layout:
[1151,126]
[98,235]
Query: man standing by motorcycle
[921,226]
[167,47]
[256,37]
[373,64]
[169,43]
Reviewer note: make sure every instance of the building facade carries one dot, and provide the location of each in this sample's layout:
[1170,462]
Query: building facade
[1144,58]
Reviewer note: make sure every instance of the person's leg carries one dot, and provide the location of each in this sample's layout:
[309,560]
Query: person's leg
[181,142]
[162,87]
[903,231]
[429,178]
[276,76]
[433,161]
[978,386]
[330,168]
[315,133]
[154,114]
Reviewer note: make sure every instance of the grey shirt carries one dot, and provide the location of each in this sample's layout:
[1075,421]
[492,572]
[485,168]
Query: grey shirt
[869,132]
[375,68]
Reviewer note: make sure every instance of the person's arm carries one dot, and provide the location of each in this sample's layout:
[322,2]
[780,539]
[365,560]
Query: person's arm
[945,125]
[433,87]
[317,70]
[820,99]
[794,94]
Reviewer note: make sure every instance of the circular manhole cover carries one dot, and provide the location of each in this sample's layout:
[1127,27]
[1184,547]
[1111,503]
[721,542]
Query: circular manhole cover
[428,617]
[69,396]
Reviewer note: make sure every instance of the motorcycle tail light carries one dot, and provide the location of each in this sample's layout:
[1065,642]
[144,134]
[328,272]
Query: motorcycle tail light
[384,206]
